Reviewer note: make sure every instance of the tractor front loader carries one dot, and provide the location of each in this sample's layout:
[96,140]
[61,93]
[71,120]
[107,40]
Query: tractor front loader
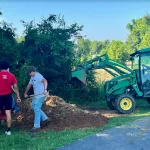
[126,85]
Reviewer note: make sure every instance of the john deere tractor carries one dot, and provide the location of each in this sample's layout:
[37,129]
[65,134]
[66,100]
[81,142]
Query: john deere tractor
[126,85]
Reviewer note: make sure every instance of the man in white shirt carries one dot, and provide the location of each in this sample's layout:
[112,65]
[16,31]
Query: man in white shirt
[39,84]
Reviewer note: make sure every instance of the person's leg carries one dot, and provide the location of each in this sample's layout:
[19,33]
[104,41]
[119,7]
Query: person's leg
[9,120]
[43,115]
[39,114]
[36,105]
[8,115]
[8,107]
[44,119]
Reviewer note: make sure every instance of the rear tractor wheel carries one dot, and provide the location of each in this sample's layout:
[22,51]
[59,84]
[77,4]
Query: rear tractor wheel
[125,104]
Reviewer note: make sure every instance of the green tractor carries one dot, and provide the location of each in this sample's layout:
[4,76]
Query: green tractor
[126,84]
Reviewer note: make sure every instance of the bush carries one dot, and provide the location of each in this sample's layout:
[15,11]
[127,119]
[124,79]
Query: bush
[81,95]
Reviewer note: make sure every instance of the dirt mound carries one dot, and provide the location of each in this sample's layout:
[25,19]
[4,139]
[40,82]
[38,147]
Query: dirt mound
[62,115]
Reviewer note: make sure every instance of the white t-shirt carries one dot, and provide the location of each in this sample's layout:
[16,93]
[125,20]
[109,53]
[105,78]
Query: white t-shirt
[37,83]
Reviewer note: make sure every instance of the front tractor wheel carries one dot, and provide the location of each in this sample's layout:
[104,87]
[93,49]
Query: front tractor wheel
[125,104]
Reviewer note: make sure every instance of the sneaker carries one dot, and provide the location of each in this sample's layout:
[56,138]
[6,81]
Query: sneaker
[7,132]
[34,129]
[45,122]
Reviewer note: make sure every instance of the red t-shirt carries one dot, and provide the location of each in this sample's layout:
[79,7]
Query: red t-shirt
[7,79]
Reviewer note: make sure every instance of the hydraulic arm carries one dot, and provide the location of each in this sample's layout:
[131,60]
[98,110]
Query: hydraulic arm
[100,62]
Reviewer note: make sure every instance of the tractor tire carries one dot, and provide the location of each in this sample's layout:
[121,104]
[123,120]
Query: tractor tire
[148,100]
[125,104]
[111,104]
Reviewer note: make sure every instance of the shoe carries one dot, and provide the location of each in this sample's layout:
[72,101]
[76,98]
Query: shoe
[34,129]
[45,122]
[7,132]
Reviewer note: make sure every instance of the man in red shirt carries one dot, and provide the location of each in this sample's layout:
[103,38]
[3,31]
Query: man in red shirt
[7,80]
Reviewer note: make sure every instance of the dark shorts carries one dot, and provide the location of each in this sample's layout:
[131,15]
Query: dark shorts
[6,102]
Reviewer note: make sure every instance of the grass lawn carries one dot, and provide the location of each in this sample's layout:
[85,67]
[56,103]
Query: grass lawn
[50,140]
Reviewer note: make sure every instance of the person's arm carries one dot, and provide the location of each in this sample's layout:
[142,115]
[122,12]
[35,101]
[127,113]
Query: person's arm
[27,89]
[44,81]
[17,92]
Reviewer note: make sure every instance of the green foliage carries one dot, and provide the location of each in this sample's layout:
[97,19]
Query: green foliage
[116,51]
[8,44]
[20,39]
[83,52]
[146,40]
[48,46]
[86,49]
[22,77]
[83,94]
[139,30]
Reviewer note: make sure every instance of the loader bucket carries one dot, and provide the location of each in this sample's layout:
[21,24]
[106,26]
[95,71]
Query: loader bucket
[79,75]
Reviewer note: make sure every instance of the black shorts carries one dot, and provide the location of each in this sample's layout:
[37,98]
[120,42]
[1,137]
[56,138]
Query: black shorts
[6,102]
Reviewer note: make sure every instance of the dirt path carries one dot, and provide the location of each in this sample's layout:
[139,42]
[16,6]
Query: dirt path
[106,112]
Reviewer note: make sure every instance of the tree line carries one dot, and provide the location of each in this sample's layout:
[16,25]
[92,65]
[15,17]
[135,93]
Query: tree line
[138,38]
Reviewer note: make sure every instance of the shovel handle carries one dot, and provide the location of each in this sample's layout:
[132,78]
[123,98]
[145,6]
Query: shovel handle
[37,95]
[34,95]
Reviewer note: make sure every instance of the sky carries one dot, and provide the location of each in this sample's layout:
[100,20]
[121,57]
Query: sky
[101,20]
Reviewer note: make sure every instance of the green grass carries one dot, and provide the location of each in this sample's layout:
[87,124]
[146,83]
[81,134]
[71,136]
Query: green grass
[50,140]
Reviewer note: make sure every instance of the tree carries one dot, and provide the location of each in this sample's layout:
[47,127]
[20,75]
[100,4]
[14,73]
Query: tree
[138,29]
[8,44]
[20,39]
[86,49]
[146,41]
[83,51]
[117,52]
[105,47]
[97,46]
[49,46]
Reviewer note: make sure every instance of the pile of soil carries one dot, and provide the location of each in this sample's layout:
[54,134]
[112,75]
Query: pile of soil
[62,115]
